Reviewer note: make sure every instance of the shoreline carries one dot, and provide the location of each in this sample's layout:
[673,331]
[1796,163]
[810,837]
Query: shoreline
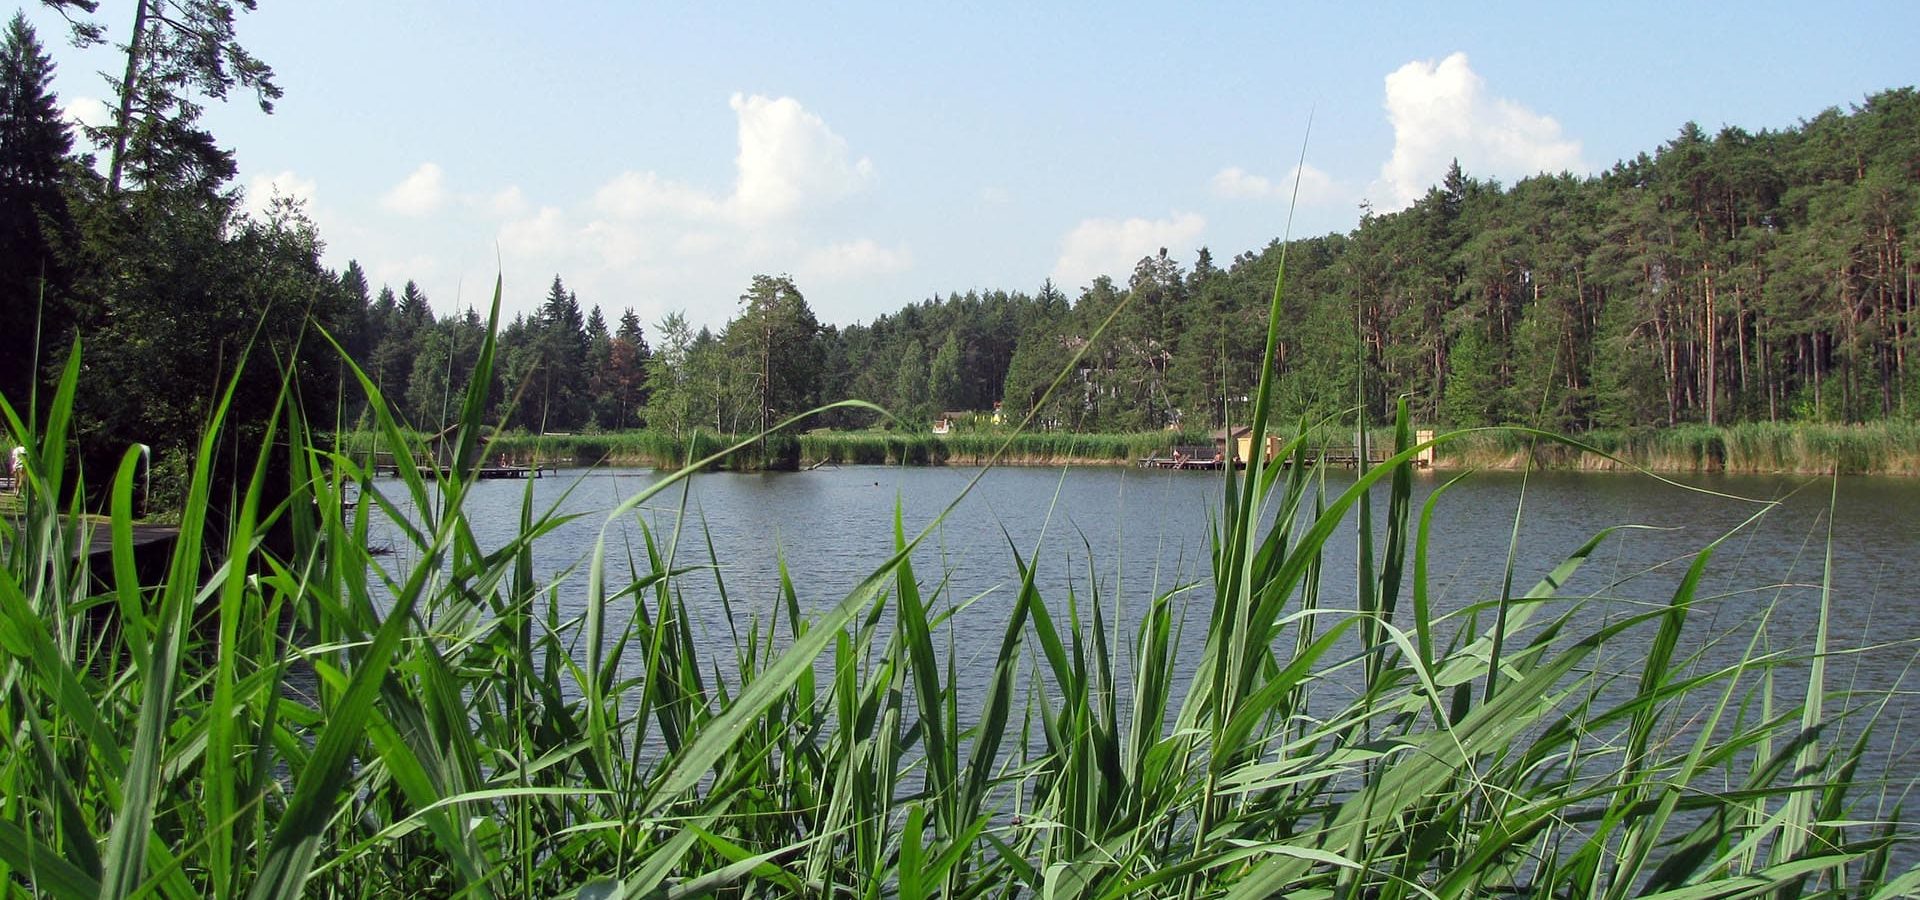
[1803,449]
[1509,462]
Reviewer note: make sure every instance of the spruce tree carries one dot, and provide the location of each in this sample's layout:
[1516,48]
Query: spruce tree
[943,376]
[34,223]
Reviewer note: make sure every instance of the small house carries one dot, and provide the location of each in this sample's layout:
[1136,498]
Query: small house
[1234,443]
[1239,440]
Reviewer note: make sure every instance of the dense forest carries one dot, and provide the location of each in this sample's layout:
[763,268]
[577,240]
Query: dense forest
[1724,277]
[129,240]
[1721,278]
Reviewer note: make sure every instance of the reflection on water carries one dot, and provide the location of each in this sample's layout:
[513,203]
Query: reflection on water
[1124,535]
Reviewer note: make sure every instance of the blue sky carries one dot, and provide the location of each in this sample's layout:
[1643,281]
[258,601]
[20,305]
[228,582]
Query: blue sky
[659,155]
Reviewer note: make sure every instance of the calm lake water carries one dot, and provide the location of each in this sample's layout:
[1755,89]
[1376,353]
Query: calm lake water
[1128,534]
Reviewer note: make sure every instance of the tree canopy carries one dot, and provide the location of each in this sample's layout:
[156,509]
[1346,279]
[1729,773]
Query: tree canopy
[1720,277]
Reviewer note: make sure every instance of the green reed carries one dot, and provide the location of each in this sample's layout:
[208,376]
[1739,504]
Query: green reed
[462,735]
[1809,448]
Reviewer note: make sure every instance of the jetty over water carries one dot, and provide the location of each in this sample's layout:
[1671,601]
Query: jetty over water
[1342,457]
[151,546]
[484,473]
[383,464]
[1234,446]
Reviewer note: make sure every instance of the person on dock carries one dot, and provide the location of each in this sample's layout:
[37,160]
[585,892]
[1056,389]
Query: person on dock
[16,467]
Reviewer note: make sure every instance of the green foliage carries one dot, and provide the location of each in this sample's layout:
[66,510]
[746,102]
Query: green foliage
[943,375]
[777,339]
[909,395]
[194,289]
[1472,380]
[1882,448]
[36,226]
[1721,278]
[460,735]
[179,52]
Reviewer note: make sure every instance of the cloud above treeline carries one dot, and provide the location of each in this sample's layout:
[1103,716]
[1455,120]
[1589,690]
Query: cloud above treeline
[645,238]
[788,161]
[1112,246]
[419,194]
[657,241]
[851,259]
[1442,111]
[1315,186]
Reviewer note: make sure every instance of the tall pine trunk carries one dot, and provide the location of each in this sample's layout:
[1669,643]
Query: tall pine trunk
[128,84]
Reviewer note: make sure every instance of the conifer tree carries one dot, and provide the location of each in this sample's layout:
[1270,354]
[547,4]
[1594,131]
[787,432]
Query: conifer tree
[777,337]
[34,221]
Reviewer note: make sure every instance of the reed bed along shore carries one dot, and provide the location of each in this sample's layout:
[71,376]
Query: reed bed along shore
[889,448]
[456,732]
[1754,448]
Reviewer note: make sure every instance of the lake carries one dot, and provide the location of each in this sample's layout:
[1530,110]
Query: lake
[1127,534]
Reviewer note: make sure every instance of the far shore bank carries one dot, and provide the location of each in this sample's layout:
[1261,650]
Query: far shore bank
[1882,448]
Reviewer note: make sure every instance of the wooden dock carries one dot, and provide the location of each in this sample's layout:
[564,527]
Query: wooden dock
[148,540]
[1341,457]
[152,547]
[484,473]
[1210,463]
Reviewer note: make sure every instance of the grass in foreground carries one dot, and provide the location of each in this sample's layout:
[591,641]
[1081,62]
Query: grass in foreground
[462,736]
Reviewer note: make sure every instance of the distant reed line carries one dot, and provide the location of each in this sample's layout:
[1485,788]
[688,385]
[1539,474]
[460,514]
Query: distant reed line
[1754,448]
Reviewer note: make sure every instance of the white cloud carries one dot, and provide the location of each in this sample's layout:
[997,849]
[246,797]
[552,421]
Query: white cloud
[788,161]
[1316,187]
[543,235]
[261,189]
[1236,183]
[87,111]
[644,195]
[396,272]
[617,245]
[1113,246]
[996,196]
[852,259]
[1442,111]
[652,239]
[507,202]
[698,243]
[418,194]
[788,156]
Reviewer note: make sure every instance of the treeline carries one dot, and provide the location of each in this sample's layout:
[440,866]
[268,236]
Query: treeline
[1737,277]
[555,369]
[1720,278]
[1729,278]
[1726,278]
[559,370]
